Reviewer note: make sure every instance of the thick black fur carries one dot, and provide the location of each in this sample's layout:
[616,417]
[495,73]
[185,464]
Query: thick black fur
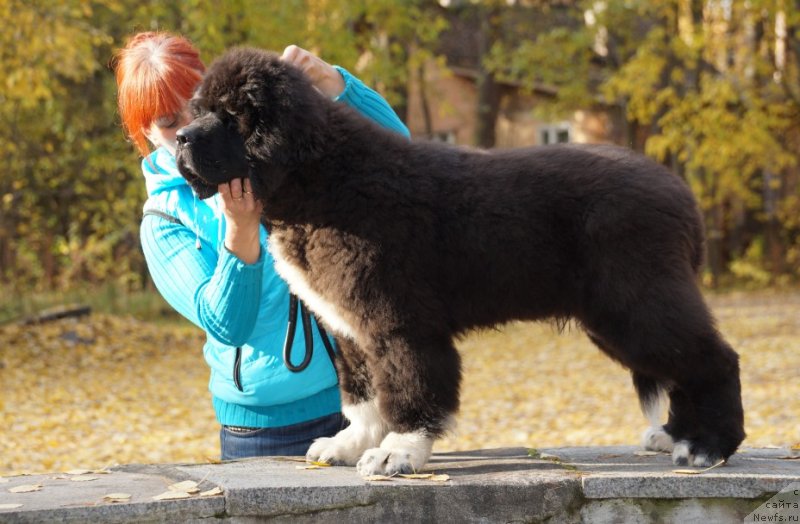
[415,243]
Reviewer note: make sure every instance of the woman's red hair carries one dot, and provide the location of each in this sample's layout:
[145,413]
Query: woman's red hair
[156,73]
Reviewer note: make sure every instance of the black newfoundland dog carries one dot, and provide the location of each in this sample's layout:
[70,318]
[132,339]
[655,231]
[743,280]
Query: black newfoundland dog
[400,246]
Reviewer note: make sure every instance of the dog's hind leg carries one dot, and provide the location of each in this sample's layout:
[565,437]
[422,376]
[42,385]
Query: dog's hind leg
[667,334]
[366,427]
[706,419]
[417,381]
[652,397]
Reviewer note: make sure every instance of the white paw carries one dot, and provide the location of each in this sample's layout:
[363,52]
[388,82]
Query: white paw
[655,438]
[398,453]
[682,456]
[365,431]
[339,450]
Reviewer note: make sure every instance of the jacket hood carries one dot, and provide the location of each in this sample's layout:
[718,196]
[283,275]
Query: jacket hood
[161,172]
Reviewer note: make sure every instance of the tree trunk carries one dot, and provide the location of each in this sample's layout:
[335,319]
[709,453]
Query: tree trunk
[772,226]
[487,87]
[714,242]
[48,259]
[423,98]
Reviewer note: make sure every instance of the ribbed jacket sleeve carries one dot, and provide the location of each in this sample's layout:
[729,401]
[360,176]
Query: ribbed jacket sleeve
[369,103]
[216,291]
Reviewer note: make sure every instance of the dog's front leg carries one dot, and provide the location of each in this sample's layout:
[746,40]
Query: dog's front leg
[416,380]
[367,428]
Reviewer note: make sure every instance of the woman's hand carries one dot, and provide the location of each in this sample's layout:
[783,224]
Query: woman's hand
[323,76]
[243,214]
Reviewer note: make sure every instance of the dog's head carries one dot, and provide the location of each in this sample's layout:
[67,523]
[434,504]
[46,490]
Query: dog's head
[253,113]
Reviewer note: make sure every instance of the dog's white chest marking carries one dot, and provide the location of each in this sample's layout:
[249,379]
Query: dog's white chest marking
[298,284]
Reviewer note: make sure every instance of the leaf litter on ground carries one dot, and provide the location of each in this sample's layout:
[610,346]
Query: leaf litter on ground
[91,390]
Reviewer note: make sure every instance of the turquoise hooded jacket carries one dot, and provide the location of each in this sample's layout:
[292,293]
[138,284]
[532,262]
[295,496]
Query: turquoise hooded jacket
[243,308]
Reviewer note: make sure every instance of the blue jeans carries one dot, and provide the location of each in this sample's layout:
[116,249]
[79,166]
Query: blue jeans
[285,440]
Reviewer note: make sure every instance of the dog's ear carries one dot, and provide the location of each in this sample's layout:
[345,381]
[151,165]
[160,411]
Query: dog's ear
[288,115]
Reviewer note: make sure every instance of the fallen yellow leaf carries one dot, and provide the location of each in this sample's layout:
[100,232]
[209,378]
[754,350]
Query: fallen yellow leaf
[117,497]
[187,486]
[25,488]
[213,491]
[421,476]
[698,471]
[172,495]
[83,478]
[79,472]
[548,456]
[440,478]
[10,506]
[377,478]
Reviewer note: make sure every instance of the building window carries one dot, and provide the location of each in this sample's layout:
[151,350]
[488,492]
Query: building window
[448,137]
[555,133]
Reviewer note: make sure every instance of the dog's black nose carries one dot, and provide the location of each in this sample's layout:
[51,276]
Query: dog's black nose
[185,135]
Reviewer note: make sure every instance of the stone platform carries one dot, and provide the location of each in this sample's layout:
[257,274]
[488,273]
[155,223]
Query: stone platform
[597,485]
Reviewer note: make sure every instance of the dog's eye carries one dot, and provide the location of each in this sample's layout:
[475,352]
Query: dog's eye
[195,107]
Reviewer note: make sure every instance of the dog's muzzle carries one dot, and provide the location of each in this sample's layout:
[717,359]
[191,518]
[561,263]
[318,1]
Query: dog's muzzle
[183,159]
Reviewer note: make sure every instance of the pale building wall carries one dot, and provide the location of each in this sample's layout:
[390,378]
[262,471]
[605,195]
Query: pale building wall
[452,101]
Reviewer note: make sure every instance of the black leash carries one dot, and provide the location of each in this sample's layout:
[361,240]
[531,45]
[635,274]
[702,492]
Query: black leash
[305,316]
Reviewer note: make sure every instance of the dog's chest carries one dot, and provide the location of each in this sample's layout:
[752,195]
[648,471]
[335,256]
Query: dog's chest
[288,249]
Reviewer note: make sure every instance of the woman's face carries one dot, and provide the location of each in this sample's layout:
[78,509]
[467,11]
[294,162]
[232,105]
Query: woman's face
[162,131]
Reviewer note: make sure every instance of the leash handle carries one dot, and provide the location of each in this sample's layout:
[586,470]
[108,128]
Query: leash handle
[289,340]
[305,316]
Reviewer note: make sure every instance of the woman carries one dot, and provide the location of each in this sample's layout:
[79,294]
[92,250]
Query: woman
[209,259]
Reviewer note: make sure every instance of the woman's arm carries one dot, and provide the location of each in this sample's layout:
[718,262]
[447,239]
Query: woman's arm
[216,291]
[338,84]
[369,103]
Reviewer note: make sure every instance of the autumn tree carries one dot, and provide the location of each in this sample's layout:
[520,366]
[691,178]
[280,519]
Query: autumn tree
[65,188]
[71,191]
[708,88]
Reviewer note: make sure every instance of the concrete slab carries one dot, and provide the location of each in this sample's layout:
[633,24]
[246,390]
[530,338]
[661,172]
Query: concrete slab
[603,484]
[618,472]
[62,500]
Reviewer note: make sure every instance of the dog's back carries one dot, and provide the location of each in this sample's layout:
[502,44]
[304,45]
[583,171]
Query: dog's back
[518,234]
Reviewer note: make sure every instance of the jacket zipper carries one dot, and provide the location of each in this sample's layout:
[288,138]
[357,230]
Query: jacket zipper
[237,369]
